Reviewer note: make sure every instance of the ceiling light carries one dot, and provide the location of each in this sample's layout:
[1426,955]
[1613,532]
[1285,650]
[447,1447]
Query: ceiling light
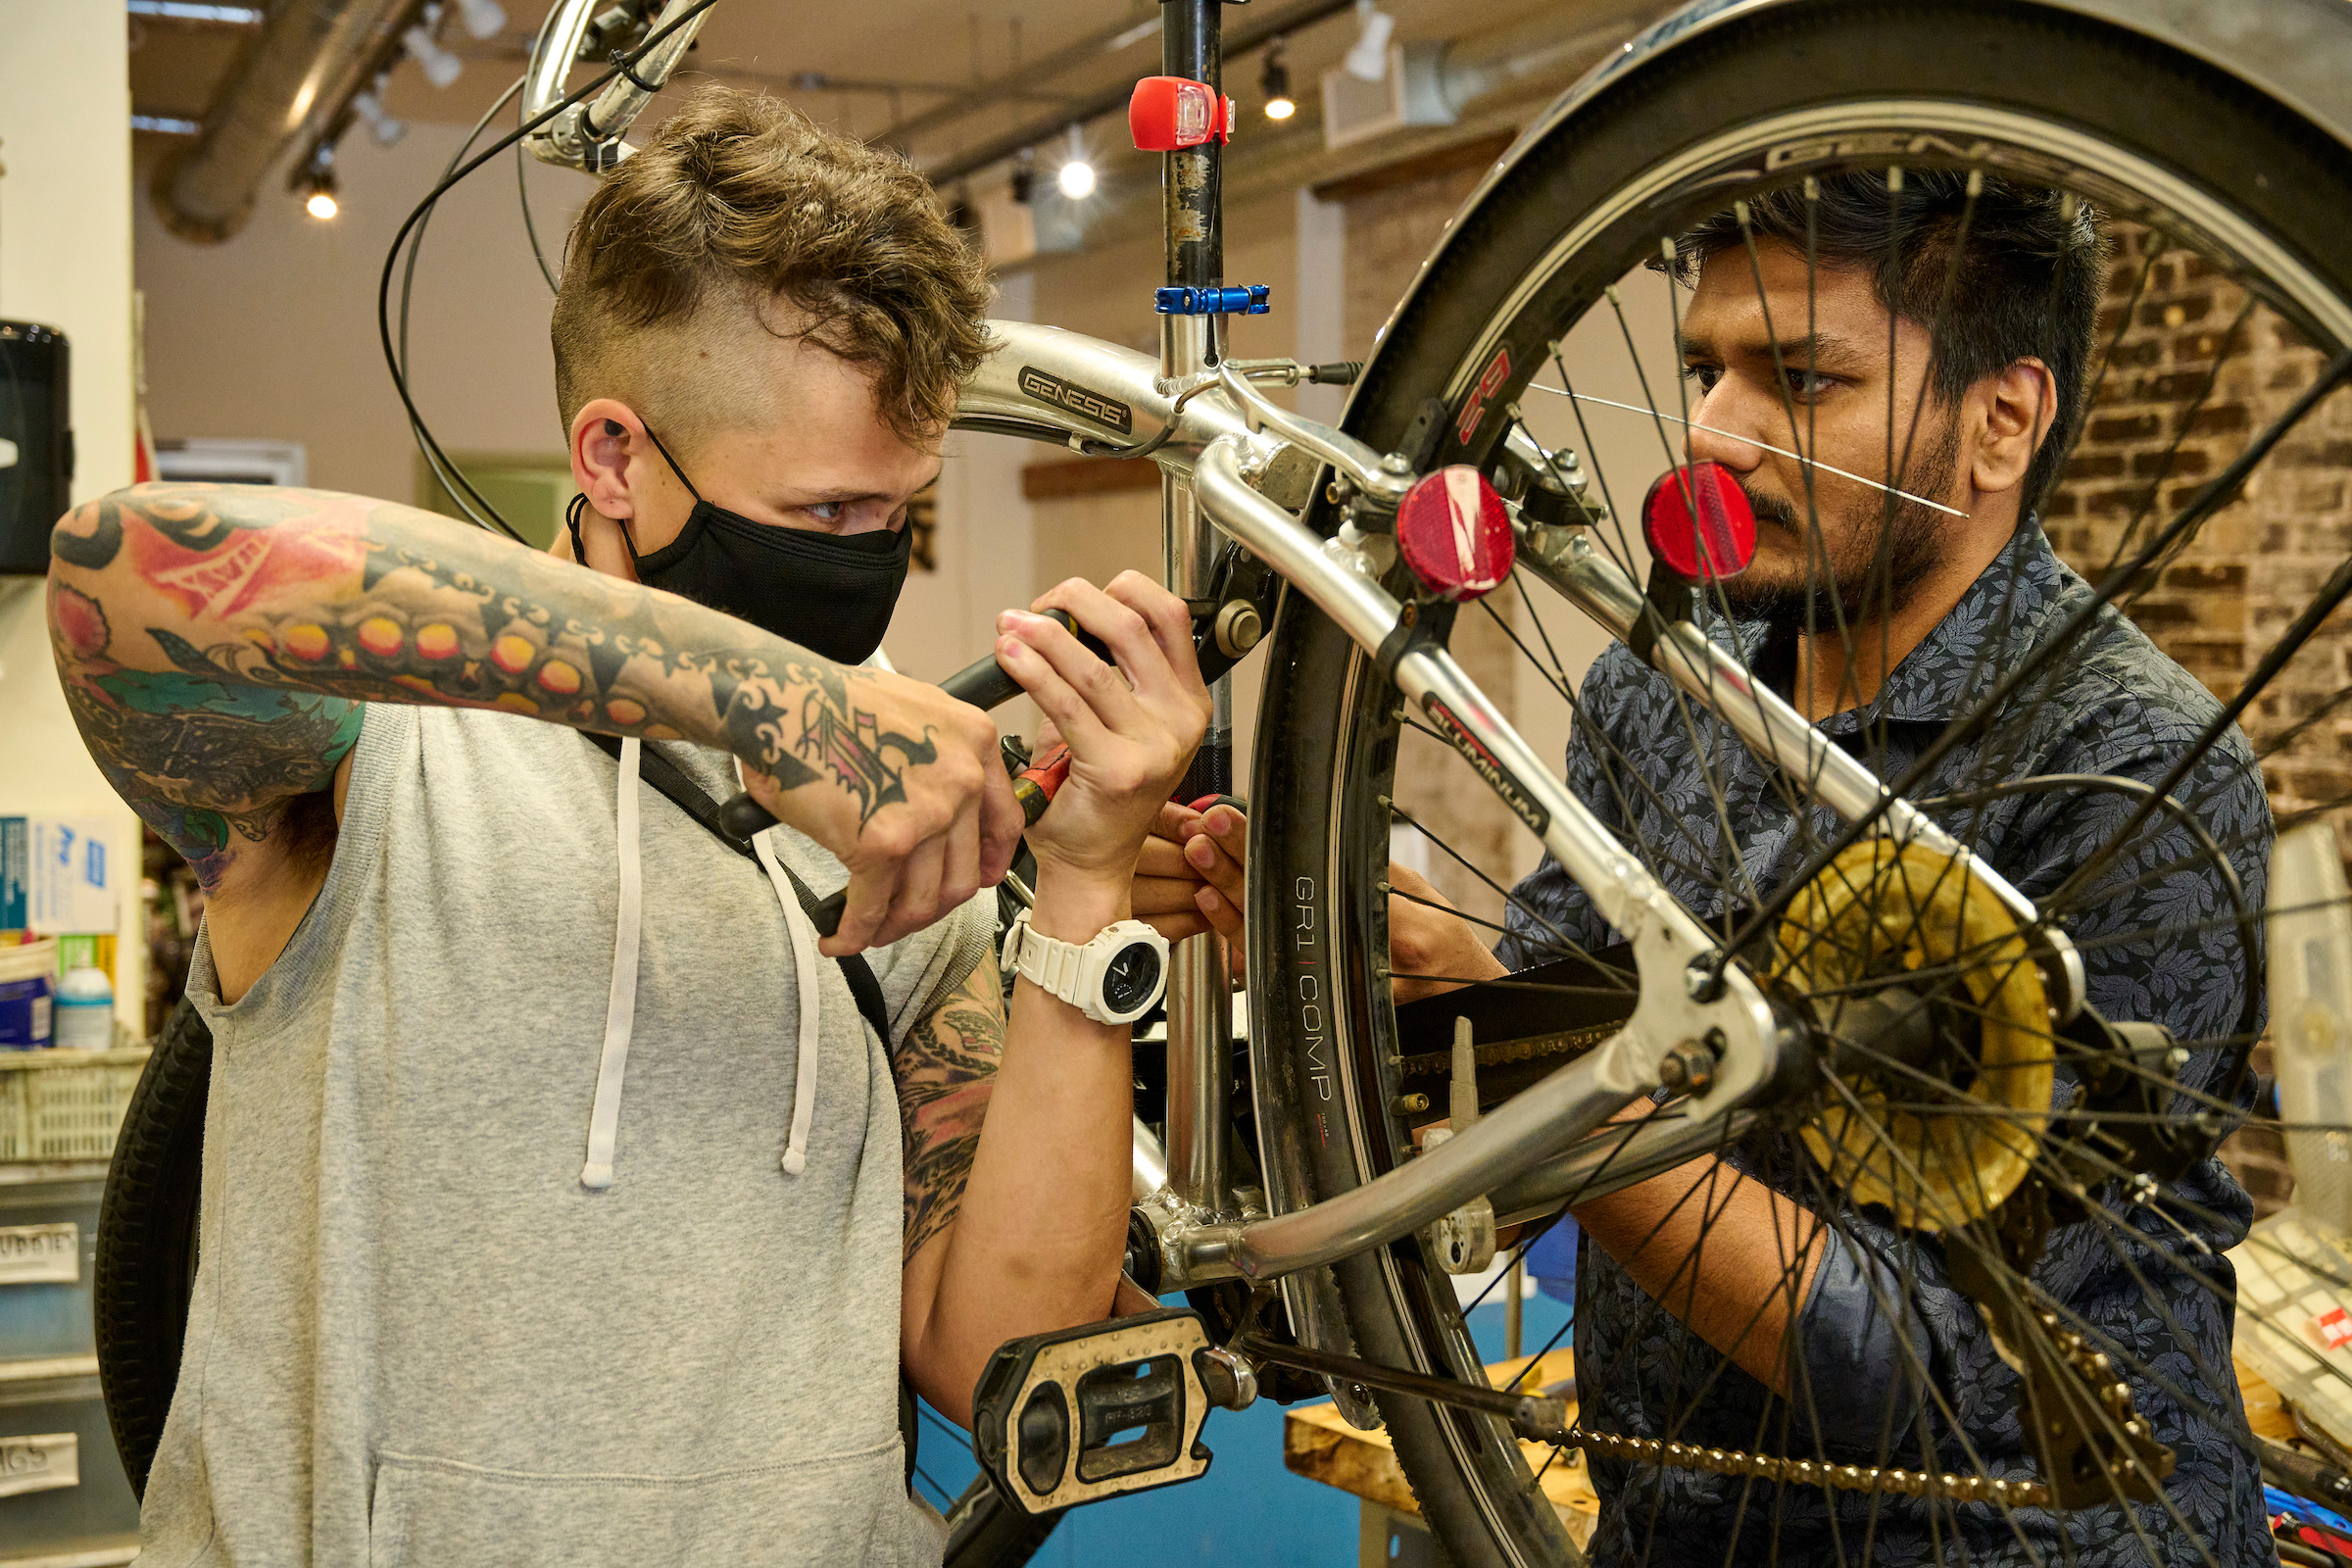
[1275,82]
[315,183]
[1076,176]
[369,106]
[1368,57]
[440,67]
[483,17]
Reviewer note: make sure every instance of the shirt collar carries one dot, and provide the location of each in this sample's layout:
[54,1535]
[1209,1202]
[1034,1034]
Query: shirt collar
[2005,608]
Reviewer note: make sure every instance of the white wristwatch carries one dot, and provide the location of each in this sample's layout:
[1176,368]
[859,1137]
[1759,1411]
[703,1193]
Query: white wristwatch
[1115,978]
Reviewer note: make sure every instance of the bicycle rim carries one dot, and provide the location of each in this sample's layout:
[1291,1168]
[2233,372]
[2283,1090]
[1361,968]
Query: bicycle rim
[2201,178]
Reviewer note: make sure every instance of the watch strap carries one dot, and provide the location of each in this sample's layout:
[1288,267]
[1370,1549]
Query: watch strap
[1072,971]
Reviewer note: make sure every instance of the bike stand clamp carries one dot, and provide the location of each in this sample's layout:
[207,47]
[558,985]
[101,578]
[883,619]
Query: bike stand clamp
[1095,1411]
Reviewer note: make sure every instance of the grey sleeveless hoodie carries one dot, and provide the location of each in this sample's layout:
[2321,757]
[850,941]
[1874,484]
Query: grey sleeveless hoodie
[420,1334]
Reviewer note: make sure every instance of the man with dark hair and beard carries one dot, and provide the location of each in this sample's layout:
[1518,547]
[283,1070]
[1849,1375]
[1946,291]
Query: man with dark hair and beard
[1807,1325]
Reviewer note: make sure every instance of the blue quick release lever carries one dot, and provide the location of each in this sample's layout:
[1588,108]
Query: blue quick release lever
[1238,299]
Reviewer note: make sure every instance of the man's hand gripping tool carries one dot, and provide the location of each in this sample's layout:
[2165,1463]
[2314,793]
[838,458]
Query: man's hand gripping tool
[1225,627]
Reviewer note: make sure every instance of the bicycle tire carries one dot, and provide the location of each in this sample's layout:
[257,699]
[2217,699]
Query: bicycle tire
[1315,836]
[147,1239]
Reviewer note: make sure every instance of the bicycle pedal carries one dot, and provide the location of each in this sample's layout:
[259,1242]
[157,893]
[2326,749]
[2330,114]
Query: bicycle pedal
[1094,1411]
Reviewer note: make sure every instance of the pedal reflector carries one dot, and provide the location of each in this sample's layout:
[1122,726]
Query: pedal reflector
[1698,522]
[1455,533]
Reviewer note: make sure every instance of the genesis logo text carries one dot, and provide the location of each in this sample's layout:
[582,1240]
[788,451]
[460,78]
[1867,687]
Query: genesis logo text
[1078,400]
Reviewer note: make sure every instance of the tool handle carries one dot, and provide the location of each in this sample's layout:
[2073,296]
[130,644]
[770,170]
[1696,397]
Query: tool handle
[984,684]
[1034,789]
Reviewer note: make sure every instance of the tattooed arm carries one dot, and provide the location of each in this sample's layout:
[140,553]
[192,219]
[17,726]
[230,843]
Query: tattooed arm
[216,643]
[1019,1137]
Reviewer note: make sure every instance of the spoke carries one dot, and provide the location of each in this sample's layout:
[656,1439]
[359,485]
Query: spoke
[1749,440]
[1561,943]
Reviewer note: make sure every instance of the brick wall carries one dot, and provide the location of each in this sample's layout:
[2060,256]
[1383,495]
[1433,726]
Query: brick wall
[2194,375]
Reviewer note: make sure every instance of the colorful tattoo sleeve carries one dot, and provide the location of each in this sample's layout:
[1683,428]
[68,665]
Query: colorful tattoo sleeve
[217,641]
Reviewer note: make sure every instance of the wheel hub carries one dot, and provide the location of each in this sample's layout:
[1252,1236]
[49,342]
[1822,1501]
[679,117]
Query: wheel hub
[1940,1061]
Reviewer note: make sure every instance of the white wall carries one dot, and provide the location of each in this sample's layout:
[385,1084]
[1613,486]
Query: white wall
[65,261]
[273,334]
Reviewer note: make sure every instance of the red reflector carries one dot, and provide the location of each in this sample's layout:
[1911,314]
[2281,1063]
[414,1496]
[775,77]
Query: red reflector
[1167,113]
[1454,534]
[1698,522]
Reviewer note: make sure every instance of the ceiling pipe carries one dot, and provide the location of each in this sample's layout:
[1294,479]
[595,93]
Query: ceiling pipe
[294,80]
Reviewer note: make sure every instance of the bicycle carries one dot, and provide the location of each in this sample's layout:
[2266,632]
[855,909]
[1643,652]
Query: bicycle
[1320,1241]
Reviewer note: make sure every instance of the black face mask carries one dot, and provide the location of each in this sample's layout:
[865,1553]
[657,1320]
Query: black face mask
[832,594]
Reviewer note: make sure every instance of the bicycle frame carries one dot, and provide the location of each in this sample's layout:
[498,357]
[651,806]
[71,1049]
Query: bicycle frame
[1228,445]
[1234,462]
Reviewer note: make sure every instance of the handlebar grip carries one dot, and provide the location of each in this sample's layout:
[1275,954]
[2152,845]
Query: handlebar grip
[985,684]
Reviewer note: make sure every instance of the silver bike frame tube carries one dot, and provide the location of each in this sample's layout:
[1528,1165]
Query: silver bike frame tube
[1565,557]
[1200,1002]
[1737,1022]
[567,140]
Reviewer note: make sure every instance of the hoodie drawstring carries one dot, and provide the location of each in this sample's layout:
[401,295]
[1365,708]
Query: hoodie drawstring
[620,1009]
[804,958]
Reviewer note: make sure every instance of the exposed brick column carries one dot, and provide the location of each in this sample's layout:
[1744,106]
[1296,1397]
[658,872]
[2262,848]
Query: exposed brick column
[2162,423]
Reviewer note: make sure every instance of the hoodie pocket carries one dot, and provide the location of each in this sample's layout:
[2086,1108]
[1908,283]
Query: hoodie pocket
[845,1510]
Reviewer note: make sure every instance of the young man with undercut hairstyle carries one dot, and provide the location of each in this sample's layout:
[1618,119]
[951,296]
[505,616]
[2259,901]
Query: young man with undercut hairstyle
[1840,1337]
[560,1204]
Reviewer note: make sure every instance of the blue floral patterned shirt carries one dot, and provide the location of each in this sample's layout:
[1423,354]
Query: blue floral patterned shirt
[2157,946]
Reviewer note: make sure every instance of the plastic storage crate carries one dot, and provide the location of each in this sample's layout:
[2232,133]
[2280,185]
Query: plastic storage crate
[65,1105]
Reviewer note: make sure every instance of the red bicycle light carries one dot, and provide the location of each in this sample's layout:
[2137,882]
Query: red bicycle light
[1698,522]
[1168,114]
[1454,534]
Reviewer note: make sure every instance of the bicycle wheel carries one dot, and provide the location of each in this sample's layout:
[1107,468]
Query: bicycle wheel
[147,1239]
[2008,1251]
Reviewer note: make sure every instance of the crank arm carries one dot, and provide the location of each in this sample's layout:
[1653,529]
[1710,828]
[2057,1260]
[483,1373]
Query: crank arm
[1535,1416]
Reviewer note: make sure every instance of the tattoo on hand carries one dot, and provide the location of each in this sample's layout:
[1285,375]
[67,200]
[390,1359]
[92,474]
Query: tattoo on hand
[847,742]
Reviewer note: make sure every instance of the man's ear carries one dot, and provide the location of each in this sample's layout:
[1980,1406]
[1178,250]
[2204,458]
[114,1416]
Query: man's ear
[2020,404]
[605,434]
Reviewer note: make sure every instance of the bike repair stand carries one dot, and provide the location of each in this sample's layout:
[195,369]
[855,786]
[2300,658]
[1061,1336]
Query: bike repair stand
[1185,114]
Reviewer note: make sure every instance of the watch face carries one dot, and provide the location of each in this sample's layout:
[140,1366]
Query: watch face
[1133,975]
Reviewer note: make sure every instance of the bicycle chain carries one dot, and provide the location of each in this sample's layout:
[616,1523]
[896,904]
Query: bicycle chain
[1437,1064]
[1811,1472]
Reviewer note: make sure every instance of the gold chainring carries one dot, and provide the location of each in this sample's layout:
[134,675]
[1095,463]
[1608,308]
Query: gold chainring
[1879,912]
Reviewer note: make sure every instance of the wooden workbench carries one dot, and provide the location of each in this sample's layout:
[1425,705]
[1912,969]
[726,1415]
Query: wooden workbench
[1319,1445]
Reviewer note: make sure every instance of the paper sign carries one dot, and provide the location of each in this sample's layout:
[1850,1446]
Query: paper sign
[40,1463]
[40,1255]
[2335,1328]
